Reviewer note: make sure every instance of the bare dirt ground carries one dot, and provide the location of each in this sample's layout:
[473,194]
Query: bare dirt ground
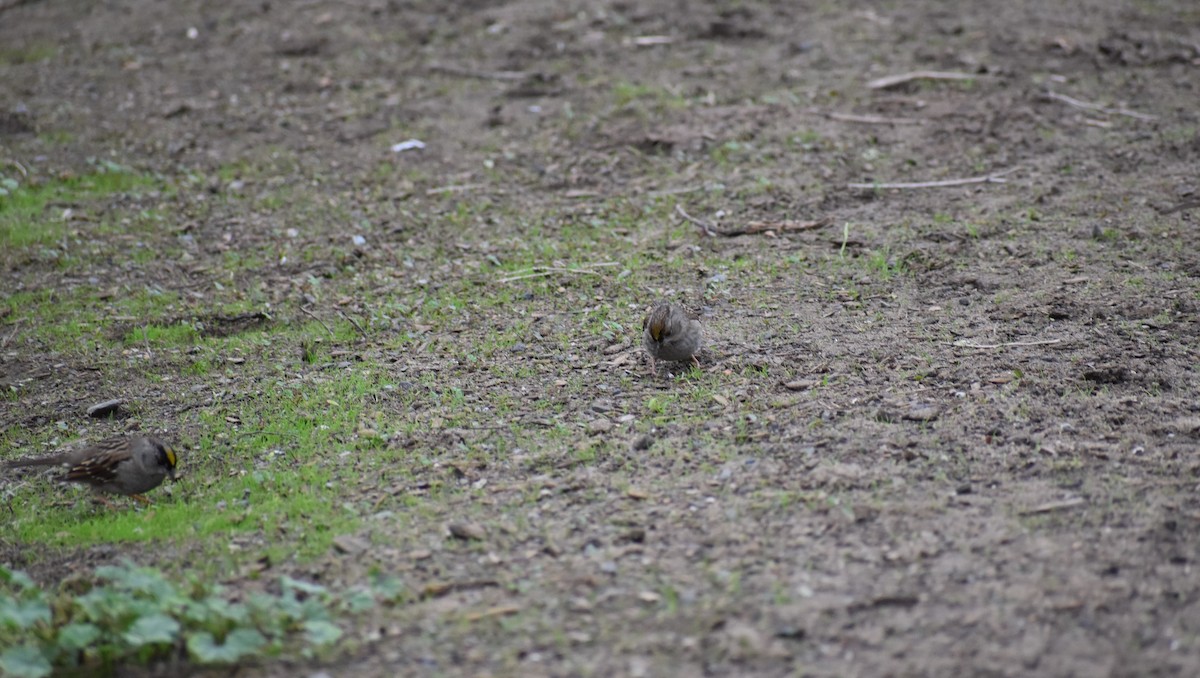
[971,451]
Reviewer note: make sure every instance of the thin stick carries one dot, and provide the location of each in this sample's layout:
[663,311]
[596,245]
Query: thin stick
[651,40]
[896,80]
[14,163]
[1185,205]
[16,327]
[751,227]
[754,227]
[543,271]
[263,432]
[1054,506]
[481,75]
[686,189]
[873,119]
[308,313]
[709,229]
[1087,106]
[460,188]
[355,323]
[963,343]
[993,178]
[543,274]
[1172,482]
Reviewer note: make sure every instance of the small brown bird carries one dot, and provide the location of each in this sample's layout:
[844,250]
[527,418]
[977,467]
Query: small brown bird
[671,333]
[128,465]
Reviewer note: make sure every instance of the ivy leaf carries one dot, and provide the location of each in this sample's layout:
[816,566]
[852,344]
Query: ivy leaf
[321,632]
[287,606]
[150,629]
[239,643]
[140,580]
[73,637]
[16,577]
[220,608]
[389,589]
[265,613]
[102,603]
[24,661]
[23,614]
[358,600]
[297,585]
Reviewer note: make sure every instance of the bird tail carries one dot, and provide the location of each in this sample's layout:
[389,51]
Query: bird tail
[36,461]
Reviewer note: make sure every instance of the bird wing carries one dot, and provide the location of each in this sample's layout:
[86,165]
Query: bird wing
[99,463]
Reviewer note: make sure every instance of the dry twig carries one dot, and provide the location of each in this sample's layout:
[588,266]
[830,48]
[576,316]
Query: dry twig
[993,178]
[963,343]
[786,226]
[651,40]
[459,188]
[896,80]
[708,228]
[16,327]
[1088,106]
[752,227]
[473,73]
[873,119]
[441,588]
[1052,506]
[309,313]
[355,323]
[10,161]
[543,271]
[1185,205]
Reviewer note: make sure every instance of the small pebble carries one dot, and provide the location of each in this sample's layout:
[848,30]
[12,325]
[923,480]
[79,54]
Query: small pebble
[105,408]
[467,531]
[598,426]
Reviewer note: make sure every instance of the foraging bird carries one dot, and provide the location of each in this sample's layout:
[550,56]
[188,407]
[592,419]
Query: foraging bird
[671,333]
[128,465]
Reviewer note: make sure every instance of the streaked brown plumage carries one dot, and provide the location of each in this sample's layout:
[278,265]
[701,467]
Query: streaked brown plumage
[128,465]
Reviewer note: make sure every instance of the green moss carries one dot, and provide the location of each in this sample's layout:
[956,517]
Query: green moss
[25,216]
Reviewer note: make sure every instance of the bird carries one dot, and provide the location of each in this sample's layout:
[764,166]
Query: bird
[126,465]
[671,333]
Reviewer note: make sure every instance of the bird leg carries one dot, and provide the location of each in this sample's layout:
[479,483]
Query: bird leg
[695,360]
[99,498]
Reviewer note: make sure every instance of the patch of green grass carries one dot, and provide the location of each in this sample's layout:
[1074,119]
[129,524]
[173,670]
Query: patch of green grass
[65,320]
[12,56]
[730,153]
[807,140]
[625,93]
[56,137]
[258,488]
[75,319]
[159,335]
[24,219]
[881,263]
